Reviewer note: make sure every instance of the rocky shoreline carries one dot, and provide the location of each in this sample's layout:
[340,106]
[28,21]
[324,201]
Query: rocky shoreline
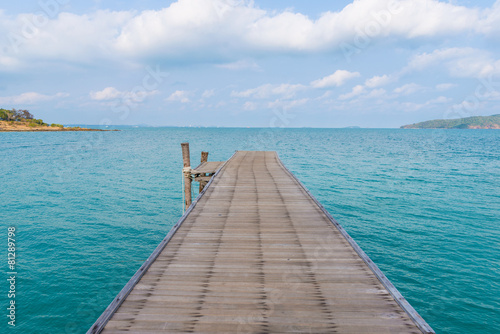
[14,126]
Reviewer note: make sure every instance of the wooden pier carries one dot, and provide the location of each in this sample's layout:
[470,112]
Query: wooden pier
[256,253]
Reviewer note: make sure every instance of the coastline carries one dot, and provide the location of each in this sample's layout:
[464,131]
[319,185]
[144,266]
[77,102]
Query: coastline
[470,127]
[54,130]
[474,122]
[23,127]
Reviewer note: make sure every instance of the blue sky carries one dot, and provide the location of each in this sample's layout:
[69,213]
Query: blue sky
[368,63]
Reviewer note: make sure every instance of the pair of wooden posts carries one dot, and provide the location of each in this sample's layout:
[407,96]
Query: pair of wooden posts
[186,171]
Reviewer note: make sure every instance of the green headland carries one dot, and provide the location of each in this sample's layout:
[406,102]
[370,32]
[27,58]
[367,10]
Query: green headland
[23,120]
[474,122]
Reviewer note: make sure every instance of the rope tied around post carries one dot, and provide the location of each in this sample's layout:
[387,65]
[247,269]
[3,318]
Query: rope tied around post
[186,170]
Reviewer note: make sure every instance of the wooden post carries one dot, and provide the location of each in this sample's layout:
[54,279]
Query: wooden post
[204,158]
[187,174]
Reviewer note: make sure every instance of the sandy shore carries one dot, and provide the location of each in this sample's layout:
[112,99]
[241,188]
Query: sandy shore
[22,126]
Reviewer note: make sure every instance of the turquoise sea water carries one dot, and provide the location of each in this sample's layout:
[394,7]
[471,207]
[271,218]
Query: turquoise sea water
[90,207]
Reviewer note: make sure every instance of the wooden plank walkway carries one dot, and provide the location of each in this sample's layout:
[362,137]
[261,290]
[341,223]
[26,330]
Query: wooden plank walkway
[208,167]
[256,253]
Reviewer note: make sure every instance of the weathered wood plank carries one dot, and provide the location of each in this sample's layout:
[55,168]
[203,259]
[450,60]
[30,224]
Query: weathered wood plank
[257,253]
[207,167]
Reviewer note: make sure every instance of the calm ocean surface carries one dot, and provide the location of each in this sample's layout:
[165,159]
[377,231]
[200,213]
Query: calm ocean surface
[89,208]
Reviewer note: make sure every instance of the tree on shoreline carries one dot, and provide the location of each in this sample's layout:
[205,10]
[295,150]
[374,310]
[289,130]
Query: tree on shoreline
[15,115]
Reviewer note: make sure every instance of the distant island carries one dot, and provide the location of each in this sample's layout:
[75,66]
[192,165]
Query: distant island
[23,120]
[474,122]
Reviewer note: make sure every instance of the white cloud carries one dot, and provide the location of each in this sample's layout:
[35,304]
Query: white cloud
[268,90]
[181,96]
[376,93]
[111,93]
[208,93]
[460,62]
[30,98]
[108,93]
[336,79]
[378,81]
[373,19]
[465,108]
[222,29]
[249,106]
[489,23]
[361,91]
[63,37]
[357,90]
[188,25]
[325,95]
[286,105]
[432,18]
[413,106]
[407,89]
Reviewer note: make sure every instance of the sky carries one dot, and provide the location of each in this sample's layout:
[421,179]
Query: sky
[367,63]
